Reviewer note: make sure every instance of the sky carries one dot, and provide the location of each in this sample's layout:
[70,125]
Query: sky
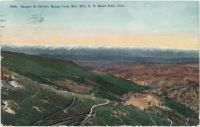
[133,24]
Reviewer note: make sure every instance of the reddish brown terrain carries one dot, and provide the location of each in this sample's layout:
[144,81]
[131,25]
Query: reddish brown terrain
[179,81]
[144,74]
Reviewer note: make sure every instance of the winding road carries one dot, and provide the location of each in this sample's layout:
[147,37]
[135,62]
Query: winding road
[94,106]
[65,109]
[171,122]
[76,119]
[74,98]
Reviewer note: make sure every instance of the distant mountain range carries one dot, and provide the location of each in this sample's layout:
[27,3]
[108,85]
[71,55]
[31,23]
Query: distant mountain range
[149,55]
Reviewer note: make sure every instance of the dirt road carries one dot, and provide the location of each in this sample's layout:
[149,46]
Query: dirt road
[94,106]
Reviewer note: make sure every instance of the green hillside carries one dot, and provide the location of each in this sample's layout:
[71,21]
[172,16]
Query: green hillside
[33,102]
[43,100]
[43,69]
[25,101]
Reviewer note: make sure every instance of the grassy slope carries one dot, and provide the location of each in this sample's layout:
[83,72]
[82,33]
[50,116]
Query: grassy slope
[181,109]
[25,98]
[125,115]
[41,69]
[130,115]
[48,100]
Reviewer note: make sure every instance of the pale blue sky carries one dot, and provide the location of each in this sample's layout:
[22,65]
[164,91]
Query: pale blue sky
[141,16]
[135,17]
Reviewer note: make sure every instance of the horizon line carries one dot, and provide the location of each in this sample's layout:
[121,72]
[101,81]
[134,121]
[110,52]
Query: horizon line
[94,46]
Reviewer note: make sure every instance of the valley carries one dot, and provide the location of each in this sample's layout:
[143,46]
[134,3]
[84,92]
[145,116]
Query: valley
[44,91]
[179,81]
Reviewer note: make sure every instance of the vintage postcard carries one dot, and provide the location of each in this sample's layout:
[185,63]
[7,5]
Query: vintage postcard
[99,63]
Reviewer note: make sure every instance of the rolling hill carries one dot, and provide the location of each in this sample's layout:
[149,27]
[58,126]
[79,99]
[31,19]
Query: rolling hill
[45,70]
[49,91]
